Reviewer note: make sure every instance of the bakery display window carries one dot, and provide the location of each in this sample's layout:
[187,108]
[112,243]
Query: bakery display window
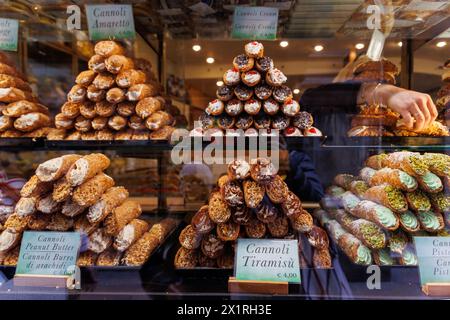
[166,140]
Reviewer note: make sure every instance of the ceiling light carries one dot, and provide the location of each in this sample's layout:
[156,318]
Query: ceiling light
[318,48]
[284,44]
[441,44]
[296,91]
[210,60]
[359,46]
[196,48]
[219,83]
[400,44]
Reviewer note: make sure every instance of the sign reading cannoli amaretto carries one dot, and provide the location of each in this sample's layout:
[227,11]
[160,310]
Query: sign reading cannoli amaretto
[110,21]
[255,23]
[433,254]
[48,253]
[9,30]
[267,260]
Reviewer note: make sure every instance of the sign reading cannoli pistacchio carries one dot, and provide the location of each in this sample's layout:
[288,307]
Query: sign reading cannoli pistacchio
[267,260]
[110,21]
[255,23]
[48,253]
[433,254]
[9,30]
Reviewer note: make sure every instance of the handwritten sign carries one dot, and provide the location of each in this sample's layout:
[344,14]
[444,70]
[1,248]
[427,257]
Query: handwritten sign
[110,22]
[9,30]
[48,253]
[433,254]
[267,260]
[255,23]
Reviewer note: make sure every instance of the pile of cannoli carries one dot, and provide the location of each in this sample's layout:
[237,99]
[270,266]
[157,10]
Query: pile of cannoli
[372,217]
[116,99]
[250,201]
[443,95]
[378,120]
[21,115]
[72,193]
[254,97]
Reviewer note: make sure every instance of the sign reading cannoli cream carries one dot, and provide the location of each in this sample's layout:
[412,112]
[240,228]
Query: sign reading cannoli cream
[48,253]
[267,260]
[433,254]
[255,23]
[9,30]
[110,21]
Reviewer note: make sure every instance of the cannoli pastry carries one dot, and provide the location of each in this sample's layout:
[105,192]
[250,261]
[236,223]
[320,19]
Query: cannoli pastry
[87,259]
[9,70]
[418,201]
[243,93]
[115,95]
[280,121]
[241,215]
[349,201]
[87,110]
[395,178]
[97,63]
[302,222]
[90,191]
[279,227]
[76,94]
[83,226]
[138,92]
[232,77]
[109,258]
[35,187]
[303,120]
[243,63]
[254,49]
[215,107]
[158,120]
[9,238]
[440,202]
[275,77]
[72,209]
[103,81]
[431,221]
[39,221]
[62,190]
[126,109]
[19,108]
[377,161]
[263,91]
[233,107]
[38,133]
[86,167]
[292,206]
[291,108]
[121,216]
[71,110]
[252,106]
[117,123]
[111,199]
[129,78]
[117,63]
[277,190]
[354,249]
[60,222]
[262,121]
[8,95]
[17,223]
[411,163]
[282,94]
[232,193]
[334,191]
[76,135]
[409,222]
[6,123]
[5,212]
[238,170]
[387,196]
[438,163]
[63,122]
[431,183]
[359,187]
[255,229]
[140,135]
[376,213]
[366,174]
[7,81]
[408,257]
[243,121]
[201,222]
[85,78]
[88,136]
[189,238]
[228,231]
[131,233]
[322,259]
[226,261]
[266,212]
[322,216]
[383,257]
[164,133]
[104,134]
[253,193]
[82,124]
[161,230]
[212,246]
[148,106]
[136,123]
[224,93]
[313,132]
[53,169]
[187,259]
[397,242]
[262,170]
[47,204]
[12,257]
[225,122]
[344,218]
[264,64]
[94,94]
[369,233]
[99,240]
[108,48]
[344,180]
[123,135]
[251,78]
[219,212]
[32,121]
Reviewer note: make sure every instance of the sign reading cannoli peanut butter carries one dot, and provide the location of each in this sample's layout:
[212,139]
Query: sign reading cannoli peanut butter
[110,21]
[433,254]
[267,260]
[9,30]
[48,253]
[255,23]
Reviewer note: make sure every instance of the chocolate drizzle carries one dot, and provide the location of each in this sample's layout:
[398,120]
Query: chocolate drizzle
[280,122]
[243,92]
[241,61]
[263,91]
[283,93]
[224,93]
[225,121]
[264,64]
[303,120]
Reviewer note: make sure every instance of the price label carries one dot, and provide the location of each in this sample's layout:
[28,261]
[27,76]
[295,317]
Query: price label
[9,31]
[255,23]
[110,22]
[267,260]
[433,254]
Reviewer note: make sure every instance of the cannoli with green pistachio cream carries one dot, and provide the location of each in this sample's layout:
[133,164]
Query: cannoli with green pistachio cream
[418,201]
[408,257]
[376,161]
[397,242]
[366,174]
[335,230]
[387,196]
[410,162]
[431,221]
[349,200]
[369,233]
[358,187]
[343,180]
[354,249]
[382,216]
[334,190]
[409,222]
[438,163]
[344,218]
[383,257]
[430,183]
[394,177]
[440,202]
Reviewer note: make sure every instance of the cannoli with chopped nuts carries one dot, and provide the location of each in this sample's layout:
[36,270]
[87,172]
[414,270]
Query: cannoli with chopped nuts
[26,206]
[396,178]
[162,229]
[387,196]
[109,258]
[117,63]
[53,169]
[355,249]
[72,209]
[12,257]
[121,216]
[140,251]
[99,240]
[35,187]
[343,180]
[9,238]
[130,234]
[47,204]
[187,259]
[39,221]
[82,225]
[219,211]
[112,198]
[411,163]
[369,233]
[108,48]
[62,190]
[376,213]
[87,259]
[86,167]
[17,223]
[90,191]
[60,222]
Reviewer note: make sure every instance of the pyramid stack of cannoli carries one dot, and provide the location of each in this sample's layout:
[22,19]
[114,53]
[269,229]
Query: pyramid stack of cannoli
[21,115]
[116,99]
[254,97]
[250,201]
[443,96]
[72,193]
[372,217]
